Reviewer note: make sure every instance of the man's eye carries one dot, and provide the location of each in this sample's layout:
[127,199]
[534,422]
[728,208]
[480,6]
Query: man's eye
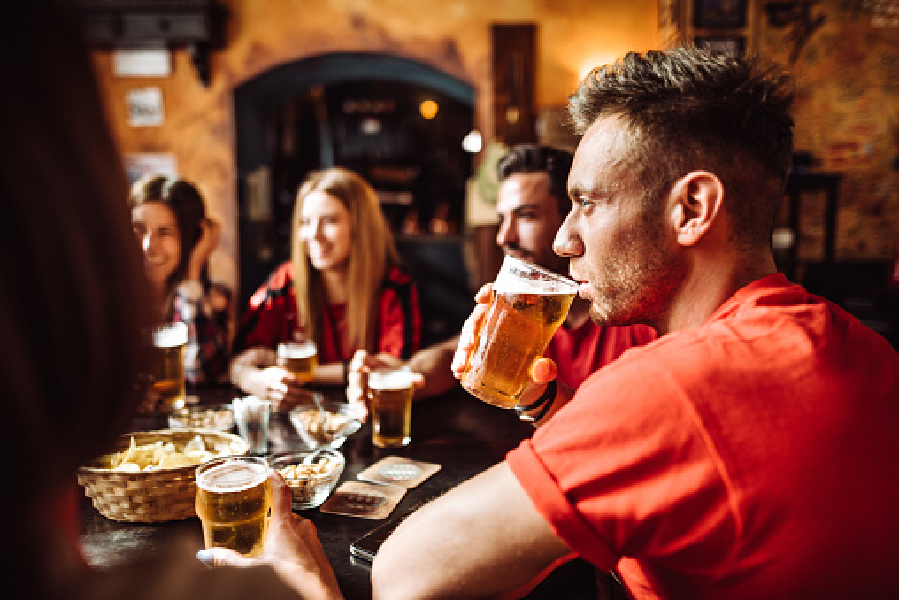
[583,201]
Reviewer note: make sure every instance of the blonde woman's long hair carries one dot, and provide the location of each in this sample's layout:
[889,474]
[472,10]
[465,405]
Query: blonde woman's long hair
[372,250]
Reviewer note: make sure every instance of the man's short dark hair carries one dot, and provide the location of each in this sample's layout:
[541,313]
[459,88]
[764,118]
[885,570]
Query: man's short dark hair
[688,109]
[535,158]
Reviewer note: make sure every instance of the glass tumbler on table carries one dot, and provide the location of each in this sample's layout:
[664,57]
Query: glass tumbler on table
[390,396]
[233,501]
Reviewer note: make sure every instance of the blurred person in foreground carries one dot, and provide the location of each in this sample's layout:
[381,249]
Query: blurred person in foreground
[74,304]
[750,451]
[343,288]
[168,215]
[531,204]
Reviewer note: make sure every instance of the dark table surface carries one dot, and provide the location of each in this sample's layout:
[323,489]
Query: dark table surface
[456,431]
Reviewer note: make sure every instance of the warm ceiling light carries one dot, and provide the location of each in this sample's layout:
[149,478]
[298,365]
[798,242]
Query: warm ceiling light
[428,109]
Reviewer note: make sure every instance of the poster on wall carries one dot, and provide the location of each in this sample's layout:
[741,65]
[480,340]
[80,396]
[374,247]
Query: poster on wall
[144,107]
[139,165]
[720,14]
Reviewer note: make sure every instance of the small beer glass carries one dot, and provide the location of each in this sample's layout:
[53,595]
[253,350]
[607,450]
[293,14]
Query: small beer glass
[300,358]
[527,306]
[390,398]
[167,364]
[233,501]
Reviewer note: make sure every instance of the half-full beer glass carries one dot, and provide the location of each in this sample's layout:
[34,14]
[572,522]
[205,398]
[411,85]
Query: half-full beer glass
[167,364]
[300,358]
[527,306]
[390,397]
[233,501]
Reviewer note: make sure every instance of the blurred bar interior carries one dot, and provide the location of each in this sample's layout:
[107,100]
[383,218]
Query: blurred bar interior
[245,98]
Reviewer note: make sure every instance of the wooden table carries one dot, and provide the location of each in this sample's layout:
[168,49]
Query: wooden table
[458,432]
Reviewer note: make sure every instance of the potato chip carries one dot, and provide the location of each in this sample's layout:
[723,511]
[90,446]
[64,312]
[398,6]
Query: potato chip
[158,455]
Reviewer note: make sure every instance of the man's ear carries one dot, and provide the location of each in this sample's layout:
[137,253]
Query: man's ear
[696,199]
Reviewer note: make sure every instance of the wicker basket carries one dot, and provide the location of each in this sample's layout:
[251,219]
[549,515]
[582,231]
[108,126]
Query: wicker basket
[151,496]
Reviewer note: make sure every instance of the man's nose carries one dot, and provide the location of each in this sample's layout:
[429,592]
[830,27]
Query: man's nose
[506,234]
[566,243]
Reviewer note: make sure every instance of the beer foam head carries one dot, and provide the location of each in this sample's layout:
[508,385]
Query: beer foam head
[520,277]
[231,475]
[395,379]
[296,349]
[170,336]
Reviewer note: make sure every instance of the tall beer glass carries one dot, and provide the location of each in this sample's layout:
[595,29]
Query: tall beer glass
[527,306]
[390,396]
[233,501]
[300,358]
[167,364]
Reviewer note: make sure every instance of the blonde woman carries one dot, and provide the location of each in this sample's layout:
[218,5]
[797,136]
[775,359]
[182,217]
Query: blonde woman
[343,289]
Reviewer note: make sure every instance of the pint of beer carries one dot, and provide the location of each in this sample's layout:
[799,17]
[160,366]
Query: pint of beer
[390,397]
[167,364]
[233,501]
[528,305]
[300,358]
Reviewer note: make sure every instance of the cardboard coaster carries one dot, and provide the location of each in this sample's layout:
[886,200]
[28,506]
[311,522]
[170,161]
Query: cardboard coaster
[395,470]
[365,500]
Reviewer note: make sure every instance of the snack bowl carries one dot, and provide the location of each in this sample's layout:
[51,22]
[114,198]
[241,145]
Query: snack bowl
[219,417]
[328,427]
[161,493]
[311,476]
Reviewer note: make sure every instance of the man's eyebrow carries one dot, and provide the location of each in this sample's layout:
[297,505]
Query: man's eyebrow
[526,206]
[576,191]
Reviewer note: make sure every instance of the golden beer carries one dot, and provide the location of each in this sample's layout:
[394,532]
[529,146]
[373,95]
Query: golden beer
[167,364]
[527,306]
[390,395]
[233,501]
[300,358]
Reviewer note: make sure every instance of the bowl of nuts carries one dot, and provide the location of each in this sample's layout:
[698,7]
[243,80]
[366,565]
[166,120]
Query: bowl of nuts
[203,416]
[327,423]
[311,476]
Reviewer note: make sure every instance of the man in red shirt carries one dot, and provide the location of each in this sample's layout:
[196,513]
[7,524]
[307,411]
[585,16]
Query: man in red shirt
[531,204]
[749,452]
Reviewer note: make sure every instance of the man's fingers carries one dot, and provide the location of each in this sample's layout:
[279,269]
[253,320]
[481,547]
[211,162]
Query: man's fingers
[544,370]
[282,500]
[220,557]
[483,295]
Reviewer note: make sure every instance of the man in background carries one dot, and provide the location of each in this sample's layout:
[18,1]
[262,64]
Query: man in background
[531,204]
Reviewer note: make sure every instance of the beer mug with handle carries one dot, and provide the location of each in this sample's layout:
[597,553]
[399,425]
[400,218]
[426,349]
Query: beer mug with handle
[527,306]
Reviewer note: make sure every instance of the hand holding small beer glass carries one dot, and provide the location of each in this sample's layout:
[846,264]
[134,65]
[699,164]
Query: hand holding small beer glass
[233,502]
[167,364]
[390,399]
[526,307]
[300,358]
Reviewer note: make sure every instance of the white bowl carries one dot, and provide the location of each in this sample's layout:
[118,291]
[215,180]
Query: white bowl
[311,475]
[319,429]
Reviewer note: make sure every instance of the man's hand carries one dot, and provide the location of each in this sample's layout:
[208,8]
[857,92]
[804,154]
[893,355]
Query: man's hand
[199,255]
[469,331]
[292,548]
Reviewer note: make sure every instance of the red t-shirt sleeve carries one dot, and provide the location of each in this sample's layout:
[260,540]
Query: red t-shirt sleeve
[624,470]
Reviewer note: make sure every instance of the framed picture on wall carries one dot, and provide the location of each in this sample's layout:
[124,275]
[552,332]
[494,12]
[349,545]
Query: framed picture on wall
[732,45]
[719,14]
